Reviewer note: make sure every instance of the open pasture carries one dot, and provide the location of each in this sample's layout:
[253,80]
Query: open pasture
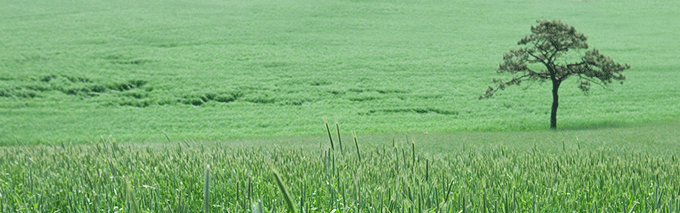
[183,106]
[72,71]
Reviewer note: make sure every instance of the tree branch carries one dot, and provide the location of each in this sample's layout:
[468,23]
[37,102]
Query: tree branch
[549,41]
[502,84]
[537,58]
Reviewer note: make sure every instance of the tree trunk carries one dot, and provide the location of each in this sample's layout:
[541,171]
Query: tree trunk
[555,104]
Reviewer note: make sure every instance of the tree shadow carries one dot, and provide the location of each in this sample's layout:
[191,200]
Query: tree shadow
[593,125]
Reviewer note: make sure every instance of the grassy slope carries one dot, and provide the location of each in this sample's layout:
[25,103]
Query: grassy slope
[375,65]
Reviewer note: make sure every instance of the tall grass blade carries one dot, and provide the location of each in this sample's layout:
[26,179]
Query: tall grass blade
[286,196]
[328,129]
[260,206]
[337,126]
[448,191]
[632,208]
[166,136]
[206,191]
[356,143]
[132,199]
[427,170]
[413,145]
[302,198]
[250,189]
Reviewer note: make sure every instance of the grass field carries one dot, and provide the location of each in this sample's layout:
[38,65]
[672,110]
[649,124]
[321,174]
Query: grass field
[183,106]
[72,71]
[602,170]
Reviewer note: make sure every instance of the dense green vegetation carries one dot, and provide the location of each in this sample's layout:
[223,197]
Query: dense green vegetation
[606,170]
[72,71]
[596,169]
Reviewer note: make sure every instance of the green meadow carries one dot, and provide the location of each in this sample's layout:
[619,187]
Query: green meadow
[72,71]
[219,106]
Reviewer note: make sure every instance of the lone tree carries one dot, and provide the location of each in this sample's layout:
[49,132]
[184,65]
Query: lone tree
[559,48]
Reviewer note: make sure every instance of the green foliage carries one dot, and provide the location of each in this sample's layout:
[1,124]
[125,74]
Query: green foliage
[549,45]
[110,176]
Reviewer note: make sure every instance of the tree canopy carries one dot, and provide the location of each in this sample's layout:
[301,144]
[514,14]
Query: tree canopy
[559,48]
